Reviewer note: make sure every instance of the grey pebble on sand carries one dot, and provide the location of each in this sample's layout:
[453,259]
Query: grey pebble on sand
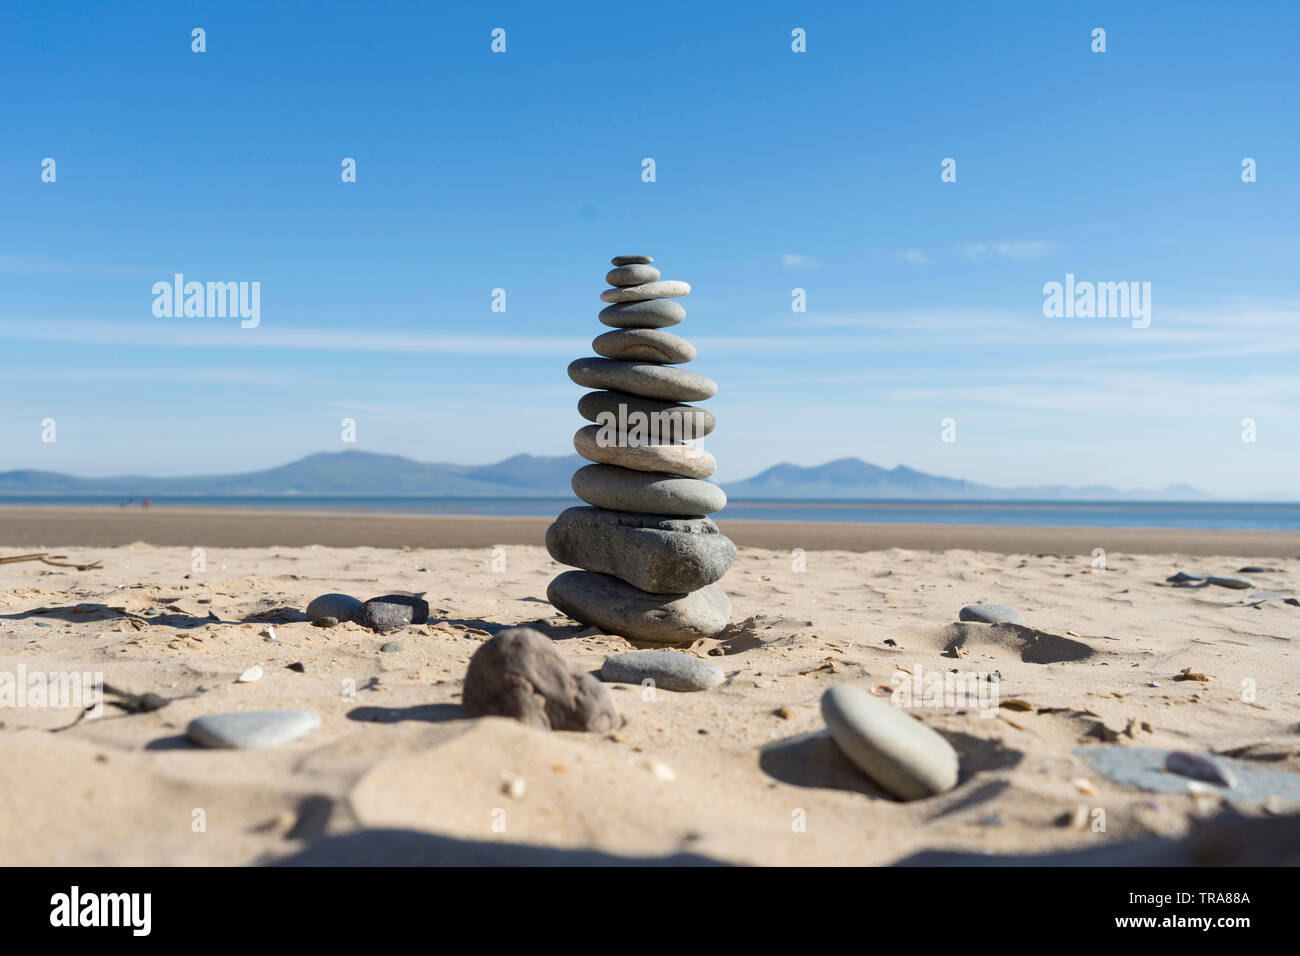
[254,729]
[885,742]
[1229,581]
[991,614]
[1199,767]
[329,609]
[1147,769]
[670,670]
[520,673]
[391,612]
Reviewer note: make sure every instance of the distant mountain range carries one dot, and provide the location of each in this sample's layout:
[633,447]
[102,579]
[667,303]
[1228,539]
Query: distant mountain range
[360,473]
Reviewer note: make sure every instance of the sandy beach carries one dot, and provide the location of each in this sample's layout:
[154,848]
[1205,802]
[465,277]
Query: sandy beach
[39,526]
[742,773]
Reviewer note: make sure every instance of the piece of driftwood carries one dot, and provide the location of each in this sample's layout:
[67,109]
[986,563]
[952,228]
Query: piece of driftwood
[45,558]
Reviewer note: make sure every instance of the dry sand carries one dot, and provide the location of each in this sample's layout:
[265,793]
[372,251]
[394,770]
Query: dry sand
[741,773]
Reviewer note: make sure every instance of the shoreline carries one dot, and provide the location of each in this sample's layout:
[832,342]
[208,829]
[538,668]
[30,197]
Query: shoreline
[37,526]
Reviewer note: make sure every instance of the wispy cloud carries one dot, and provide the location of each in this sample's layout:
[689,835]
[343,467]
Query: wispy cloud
[226,333]
[45,265]
[1010,250]
[914,257]
[795,260]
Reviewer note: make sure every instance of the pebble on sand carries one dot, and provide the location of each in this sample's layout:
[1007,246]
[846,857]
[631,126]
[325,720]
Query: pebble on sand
[1228,581]
[392,611]
[1198,767]
[260,728]
[670,670]
[328,609]
[991,614]
[520,673]
[886,743]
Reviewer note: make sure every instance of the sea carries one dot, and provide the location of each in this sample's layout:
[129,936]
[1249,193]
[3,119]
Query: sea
[1263,516]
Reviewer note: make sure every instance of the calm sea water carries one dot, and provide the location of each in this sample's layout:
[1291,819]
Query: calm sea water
[1140,514]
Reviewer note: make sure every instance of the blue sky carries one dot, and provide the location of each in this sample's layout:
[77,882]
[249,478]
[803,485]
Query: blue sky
[775,170]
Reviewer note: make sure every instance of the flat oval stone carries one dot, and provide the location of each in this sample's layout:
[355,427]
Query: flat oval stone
[392,611]
[631,274]
[663,289]
[641,378]
[259,728]
[1228,581]
[689,461]
[631,260]
[622,489]
[329,609]
[616,607]
[659,554]
[666,421]
[886,743]
[644,345]
[670,670]
[991,614]
[650,314]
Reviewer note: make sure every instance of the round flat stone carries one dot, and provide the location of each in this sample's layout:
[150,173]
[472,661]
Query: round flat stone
[663,289]
[339,607]
[642,378]
[634,274]
[259,728]
[666,421]
[886,743]
[990,614]
[644,345]
[622,489]
[650,314]
[658,554]
[616,607]
[689,461]
[670,670]
[631,260]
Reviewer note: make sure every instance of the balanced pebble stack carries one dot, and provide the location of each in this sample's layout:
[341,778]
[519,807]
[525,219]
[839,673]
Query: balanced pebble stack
[649,553]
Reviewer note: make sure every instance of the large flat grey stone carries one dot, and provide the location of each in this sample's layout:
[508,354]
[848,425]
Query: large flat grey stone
[616,607]
[652,552]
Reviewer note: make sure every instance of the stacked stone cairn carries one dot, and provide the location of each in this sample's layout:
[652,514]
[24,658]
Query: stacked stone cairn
[649,553]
